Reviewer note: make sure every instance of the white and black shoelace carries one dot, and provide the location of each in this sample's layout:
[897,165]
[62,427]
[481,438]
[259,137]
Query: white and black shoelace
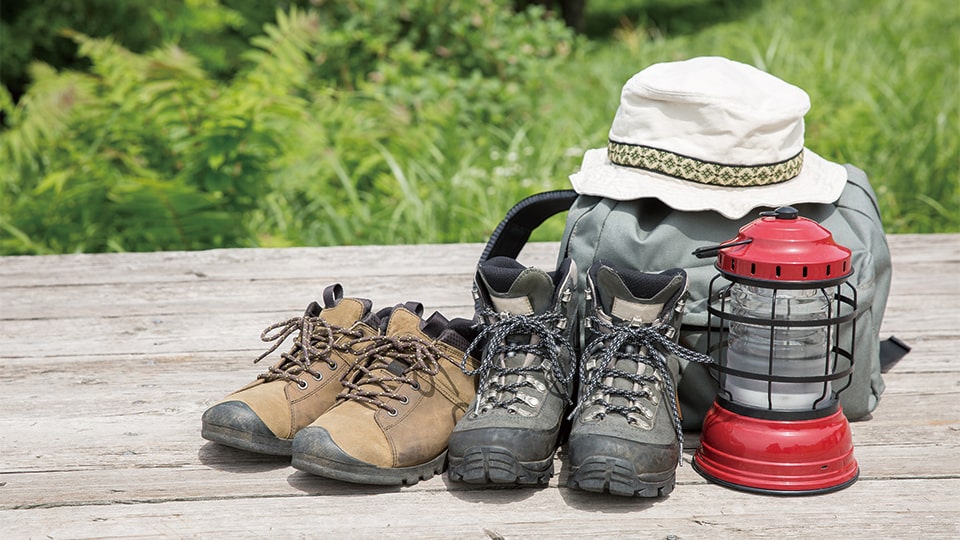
[496,379]
[641,344]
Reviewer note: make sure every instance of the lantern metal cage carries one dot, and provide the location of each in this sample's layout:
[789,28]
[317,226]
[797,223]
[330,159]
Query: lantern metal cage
[838,360]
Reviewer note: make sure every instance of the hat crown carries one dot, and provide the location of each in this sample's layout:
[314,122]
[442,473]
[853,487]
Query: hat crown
[709,133]
[712,109]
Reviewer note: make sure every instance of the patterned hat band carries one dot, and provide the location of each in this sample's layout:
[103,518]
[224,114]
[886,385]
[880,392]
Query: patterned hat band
[703,172]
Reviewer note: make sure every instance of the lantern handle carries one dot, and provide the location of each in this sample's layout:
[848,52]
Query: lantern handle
[711,251]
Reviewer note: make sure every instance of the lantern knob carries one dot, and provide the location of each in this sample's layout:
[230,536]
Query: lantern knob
[784,212]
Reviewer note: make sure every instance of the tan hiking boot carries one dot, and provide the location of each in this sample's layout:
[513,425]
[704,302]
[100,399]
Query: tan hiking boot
[264,415]
[400,403]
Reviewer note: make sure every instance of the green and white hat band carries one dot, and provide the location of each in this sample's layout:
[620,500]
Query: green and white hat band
[700,171]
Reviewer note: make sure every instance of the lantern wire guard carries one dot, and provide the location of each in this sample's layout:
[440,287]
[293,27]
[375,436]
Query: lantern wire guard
[777,428]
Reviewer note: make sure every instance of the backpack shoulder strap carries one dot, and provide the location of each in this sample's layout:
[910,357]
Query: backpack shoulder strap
[514,230]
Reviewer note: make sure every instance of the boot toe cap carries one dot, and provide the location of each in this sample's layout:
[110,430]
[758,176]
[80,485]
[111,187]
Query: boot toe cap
[235,415]
[316,443]
[234,423]
[524,444]
[645,456]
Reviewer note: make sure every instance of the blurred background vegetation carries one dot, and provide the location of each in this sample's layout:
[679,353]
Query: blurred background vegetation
[193,124]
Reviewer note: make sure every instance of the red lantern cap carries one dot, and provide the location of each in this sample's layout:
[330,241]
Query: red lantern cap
[783,247]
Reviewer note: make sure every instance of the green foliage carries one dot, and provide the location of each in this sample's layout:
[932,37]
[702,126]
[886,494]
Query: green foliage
[883,80]
[375,121]
[148,151]
[215,31]
[394,145]
[884,93]
[145,151]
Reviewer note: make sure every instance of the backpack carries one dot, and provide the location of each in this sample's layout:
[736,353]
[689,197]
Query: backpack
[647,235]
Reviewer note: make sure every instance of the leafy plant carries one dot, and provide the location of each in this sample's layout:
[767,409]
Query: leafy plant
[374,121]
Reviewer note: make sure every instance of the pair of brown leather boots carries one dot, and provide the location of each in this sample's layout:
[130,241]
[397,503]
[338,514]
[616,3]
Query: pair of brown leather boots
[362,396]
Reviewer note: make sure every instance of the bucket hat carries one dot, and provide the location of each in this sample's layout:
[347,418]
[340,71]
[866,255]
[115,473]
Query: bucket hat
[710,133]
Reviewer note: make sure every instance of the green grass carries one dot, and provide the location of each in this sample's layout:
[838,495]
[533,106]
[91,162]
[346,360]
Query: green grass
[154,153]
[882,78]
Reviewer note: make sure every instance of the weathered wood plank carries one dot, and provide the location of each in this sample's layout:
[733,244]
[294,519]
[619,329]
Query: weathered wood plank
[171,272]
[217,472]
[918,305]
[255,264]
[139,385]
[248,264]
[215,297]
[868,510]
[153,419]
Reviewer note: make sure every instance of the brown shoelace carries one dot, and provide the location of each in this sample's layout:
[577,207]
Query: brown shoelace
[384,365]
[315,340]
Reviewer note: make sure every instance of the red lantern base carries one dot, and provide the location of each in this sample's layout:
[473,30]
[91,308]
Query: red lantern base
[776,457]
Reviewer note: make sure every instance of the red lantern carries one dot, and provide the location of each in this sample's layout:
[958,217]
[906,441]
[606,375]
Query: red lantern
[781,298]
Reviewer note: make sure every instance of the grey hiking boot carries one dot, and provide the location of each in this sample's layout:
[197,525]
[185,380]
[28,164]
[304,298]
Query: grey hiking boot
[626,437]
[264,415]
[511,432]
[399,404]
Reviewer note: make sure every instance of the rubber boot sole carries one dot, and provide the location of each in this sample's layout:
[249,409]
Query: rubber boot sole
[250,442]
[617,476]
[496,465]
[369,474]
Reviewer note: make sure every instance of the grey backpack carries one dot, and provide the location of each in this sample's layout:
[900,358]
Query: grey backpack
[646,235]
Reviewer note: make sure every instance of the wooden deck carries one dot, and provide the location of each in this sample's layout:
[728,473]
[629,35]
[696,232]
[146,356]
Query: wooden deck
[108,361]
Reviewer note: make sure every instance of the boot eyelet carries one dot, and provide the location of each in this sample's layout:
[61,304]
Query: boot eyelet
[415,385]
[333,366]
[302,384]
[392,412]
[404,400]
[318,376]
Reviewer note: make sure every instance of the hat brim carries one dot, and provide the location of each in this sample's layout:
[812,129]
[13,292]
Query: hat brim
[820,181]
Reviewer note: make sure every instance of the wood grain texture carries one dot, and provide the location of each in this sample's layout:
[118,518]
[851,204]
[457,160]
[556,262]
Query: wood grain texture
[108,361]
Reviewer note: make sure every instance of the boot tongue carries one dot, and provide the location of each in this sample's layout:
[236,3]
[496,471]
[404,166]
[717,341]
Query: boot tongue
[337,311]
[516,289]
[635,297]
[404,322]
[341,311]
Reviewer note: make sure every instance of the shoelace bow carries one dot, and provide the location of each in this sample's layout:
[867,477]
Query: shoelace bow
[613,344]
[551,341]
[374,363]
[315,340]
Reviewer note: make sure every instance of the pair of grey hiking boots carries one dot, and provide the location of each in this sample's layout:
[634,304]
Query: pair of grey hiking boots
[362,396]
[614,402]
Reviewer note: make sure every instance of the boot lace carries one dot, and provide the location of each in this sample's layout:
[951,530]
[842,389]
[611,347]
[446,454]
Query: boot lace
[641,344]
[386,363]
[501,386]
[315,341]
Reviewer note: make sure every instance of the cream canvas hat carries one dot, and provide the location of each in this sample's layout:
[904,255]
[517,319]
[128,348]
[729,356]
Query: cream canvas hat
[710,134]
